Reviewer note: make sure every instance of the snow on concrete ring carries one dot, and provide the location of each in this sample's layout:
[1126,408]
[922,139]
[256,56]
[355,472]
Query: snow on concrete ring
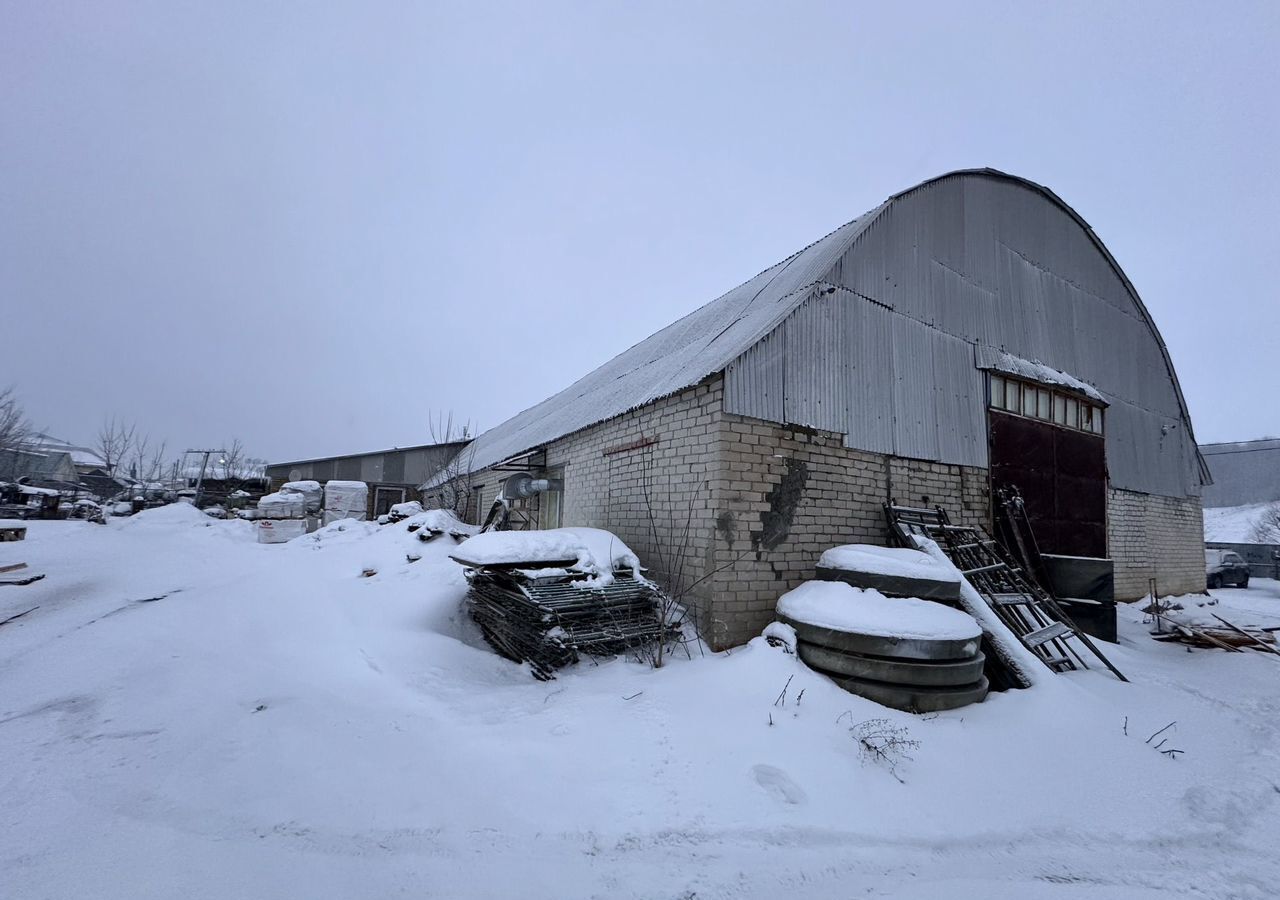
[894,571]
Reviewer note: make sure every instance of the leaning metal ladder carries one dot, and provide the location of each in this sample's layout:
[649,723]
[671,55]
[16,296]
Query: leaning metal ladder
[1030,612]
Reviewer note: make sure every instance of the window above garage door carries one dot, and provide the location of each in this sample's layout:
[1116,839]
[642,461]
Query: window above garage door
[1048,404]
[1047,443]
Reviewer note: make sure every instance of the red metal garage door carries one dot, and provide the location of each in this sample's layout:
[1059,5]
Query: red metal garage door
[1062,475]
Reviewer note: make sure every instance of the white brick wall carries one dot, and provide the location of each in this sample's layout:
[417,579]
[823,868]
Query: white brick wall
[1150,536]
[839,499]
[695,491]
[656,497]
[643,474]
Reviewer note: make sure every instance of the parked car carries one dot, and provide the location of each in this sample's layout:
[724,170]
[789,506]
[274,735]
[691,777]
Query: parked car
[1225,567]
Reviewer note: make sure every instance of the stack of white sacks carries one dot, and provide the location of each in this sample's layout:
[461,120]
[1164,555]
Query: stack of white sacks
[311,491]
[299,506]
[345,500]
[288,513]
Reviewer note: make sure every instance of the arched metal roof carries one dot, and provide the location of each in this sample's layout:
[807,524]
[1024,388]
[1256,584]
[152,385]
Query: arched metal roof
[707,340]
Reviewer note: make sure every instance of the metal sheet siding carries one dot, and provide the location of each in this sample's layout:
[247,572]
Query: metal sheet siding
[989,261]
[753,382]
[964,262]
[370,468]
[393,467]
[815,367]
[915,423]
[870,331]
[415,467]
[960,393]
[703,343]
[1247,472]
[870,334]
[888,383]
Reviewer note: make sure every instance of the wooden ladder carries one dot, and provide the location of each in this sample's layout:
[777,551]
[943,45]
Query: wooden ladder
[1028,610]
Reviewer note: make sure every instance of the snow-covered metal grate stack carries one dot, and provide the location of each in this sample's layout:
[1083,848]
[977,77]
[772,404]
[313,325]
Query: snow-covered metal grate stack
[548,621]
[547,597]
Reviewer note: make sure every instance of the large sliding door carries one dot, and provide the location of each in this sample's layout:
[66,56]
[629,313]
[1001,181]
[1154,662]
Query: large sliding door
[1050,447]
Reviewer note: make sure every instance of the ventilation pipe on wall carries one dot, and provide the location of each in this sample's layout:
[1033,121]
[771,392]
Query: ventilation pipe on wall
[522,485]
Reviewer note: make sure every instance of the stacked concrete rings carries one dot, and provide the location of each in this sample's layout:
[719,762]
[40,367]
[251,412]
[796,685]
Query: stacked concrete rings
[912,674]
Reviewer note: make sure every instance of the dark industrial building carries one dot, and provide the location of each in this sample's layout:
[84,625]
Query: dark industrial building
[393,475]
[1243,472]
[1242,506]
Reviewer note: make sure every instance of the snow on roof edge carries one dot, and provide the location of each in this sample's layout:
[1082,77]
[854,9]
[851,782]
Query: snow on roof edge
[1037,371]
[675,358]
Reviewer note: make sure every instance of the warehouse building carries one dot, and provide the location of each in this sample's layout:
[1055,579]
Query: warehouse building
[968,333]
[393,475]
[1244,472]
[1242,506]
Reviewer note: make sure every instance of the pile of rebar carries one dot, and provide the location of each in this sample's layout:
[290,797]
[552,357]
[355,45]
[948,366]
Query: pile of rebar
[549,617]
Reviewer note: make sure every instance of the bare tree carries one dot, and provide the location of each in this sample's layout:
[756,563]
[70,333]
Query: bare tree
[1267,529]
[15,430]
[155,464]
[139,457]
[680,607]
[114,442]
[445,430]
[232,462]
[453,480]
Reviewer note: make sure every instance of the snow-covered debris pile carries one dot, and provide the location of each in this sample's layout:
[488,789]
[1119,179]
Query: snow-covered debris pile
[434,522]
[544,597]
[895,571]
[400,511]
[909,654]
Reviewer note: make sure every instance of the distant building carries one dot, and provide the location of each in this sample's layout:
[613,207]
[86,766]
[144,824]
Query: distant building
[47,461]
[393,475]
[1239,511]
[969,333]
[1243,472]
[84,459]
[33,464]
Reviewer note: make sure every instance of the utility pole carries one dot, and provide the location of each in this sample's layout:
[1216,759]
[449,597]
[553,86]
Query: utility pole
[204,465]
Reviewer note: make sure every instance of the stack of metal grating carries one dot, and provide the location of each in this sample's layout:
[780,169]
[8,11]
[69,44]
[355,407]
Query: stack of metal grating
[547,616]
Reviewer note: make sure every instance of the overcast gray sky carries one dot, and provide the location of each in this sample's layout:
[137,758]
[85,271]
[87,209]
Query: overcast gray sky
[309,225]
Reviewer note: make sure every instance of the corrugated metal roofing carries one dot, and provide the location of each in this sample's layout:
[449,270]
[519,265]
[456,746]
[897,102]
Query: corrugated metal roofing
[1243,472]
[678,356]
[871,332]
[972,269]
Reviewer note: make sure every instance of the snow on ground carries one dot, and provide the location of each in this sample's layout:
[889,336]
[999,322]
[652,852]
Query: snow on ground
[1257,606]
[191,714]
[1235,524]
